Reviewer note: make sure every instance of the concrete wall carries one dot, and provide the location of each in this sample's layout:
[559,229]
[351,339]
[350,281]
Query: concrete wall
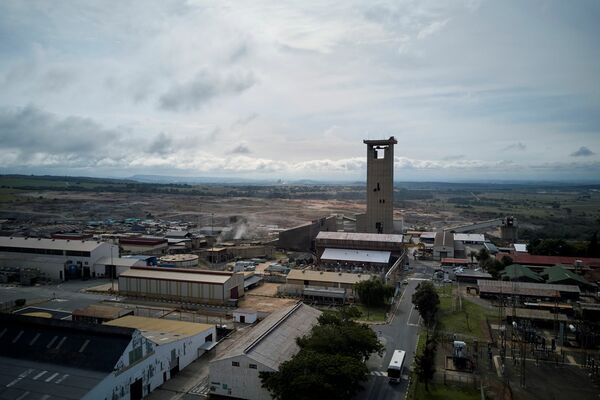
[251,251]
[301,238]
[242,382]
[380,188]
[53,266]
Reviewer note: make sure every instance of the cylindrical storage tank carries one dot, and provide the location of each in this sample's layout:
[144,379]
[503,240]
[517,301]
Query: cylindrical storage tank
[179,261]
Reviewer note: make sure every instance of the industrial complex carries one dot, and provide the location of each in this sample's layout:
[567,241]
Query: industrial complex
[116,309]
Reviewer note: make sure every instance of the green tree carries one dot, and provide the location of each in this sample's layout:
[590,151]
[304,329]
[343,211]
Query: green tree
[427,302]
[472,254]
[482,255]
[425,363]
[312,375]
[493,266]
[506,261]
[373,292]
[349,339]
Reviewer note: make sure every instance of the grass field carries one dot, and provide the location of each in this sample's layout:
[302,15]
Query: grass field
[372,314]
[469,321]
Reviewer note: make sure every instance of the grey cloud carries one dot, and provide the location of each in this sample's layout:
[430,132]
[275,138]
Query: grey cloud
[515,146]
[203,88]
[453,158]
[30,130]
[241,148]
[162,144]
[583,151]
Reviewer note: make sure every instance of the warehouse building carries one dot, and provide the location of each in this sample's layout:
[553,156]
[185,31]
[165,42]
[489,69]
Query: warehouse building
[302,237]
[525,290]
[520,273]
[323,286]
[144,245]
[561,276]
[443,246]
[57,259]
[182,285]
[55,359]
[264,348]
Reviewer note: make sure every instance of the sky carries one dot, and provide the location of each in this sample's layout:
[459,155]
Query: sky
[472,90]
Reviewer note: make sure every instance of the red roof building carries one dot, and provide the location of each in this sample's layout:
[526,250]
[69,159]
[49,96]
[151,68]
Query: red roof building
[548,261]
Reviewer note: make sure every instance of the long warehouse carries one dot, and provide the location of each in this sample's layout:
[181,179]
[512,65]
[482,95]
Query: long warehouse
[193,286]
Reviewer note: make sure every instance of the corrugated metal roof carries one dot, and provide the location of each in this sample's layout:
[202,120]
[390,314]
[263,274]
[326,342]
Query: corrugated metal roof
[161,330]
[520,247]
[51,244]
[469,237]
[156,273]
[526,285]
[325,276]
[524,258]
[371,256]
[362,237]
[273,340]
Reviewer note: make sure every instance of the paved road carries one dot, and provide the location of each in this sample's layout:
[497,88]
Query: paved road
[401,334]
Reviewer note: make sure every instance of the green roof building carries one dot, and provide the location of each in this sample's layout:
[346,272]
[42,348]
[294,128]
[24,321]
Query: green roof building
[562,276]
[520,273]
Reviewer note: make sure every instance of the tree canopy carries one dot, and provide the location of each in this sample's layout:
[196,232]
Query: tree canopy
[330,363]
[426,301]
[313,375]
[373,292]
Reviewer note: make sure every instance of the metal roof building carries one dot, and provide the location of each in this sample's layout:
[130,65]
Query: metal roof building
[356,256]
[183,285]
[44,358]
[264,348]
[57,259]
[526,289]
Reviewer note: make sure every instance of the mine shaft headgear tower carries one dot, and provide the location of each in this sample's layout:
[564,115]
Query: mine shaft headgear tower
[380,185]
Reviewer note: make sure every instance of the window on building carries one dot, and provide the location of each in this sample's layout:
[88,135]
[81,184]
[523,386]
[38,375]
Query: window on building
[235,364]
[252,366]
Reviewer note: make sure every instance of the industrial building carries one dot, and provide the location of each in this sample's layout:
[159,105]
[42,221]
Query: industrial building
[302,237]
[182,285]
[56,259]
[99,313]
[323,286]
[443,245]
[359,241]
[525,290]
[520,273]
[179,261]
[271,342]
[379,217]
[550,261]
[65,360]
[144,245]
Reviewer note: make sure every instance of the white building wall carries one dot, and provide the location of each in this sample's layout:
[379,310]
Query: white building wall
[53,265]
[155,363]
[242,382]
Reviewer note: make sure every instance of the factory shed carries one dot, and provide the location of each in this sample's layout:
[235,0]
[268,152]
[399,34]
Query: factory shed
[526,289]
[56,259]
[271,342]
[183,285]
[550,261]
[99,313]
[245,315]
[561,276]
[443,246]
[520,273]
[359,241]
[356,256]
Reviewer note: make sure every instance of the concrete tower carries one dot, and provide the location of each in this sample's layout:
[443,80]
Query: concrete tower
[380,186]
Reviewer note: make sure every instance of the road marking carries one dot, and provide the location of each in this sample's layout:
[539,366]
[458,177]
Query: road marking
[54,375]
[35,378]
[21,397]
[378,373]
[408,319]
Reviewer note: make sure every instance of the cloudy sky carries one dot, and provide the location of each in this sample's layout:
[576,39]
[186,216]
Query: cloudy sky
[472,90]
